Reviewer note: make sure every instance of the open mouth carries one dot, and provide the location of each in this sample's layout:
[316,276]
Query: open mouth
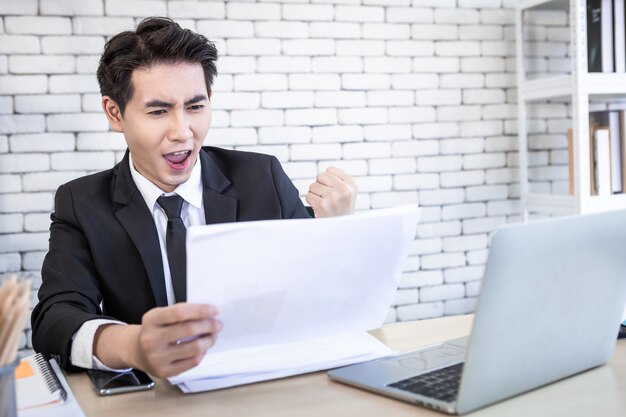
[178,160]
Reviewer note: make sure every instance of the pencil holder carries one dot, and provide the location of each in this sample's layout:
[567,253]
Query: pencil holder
[8,406]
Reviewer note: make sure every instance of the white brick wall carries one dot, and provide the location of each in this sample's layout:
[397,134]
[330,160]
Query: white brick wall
[225,28]
[49,103]
[42,142]
[71,7]
[38,64]
[359,14]
[134,8]
[37,25]
[101,25]
[415,98]
[23,84]
[192,10]
[305,12]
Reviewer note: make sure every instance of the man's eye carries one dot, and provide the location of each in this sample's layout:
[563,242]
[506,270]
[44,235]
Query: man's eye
[196,107]
[157,112]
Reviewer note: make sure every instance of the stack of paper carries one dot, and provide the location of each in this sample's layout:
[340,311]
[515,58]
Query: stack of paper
[243,366]
[295,295]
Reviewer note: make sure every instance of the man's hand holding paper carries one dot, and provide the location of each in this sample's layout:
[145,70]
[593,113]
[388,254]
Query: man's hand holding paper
[169,340]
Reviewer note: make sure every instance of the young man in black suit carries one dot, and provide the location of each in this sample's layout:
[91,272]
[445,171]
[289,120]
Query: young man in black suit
[113,291]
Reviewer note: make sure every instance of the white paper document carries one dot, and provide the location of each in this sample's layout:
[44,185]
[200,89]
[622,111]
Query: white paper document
[243,366]
[295,295]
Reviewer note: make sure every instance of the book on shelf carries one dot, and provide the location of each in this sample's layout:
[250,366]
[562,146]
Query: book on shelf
[600,36]
[602,160]
[570,160]
[615,140]
[592,160]
[622,132]
[619,35]
[607,165]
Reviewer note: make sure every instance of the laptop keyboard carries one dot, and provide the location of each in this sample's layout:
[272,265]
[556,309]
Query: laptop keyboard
[442,384]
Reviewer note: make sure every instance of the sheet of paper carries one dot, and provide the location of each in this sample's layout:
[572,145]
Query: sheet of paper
[283,281]
[244,366]
[295,296]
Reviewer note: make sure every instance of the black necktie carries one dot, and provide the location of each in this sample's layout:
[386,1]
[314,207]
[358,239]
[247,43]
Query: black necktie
[175,242]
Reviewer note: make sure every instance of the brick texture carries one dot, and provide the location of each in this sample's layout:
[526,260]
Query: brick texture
[415,98]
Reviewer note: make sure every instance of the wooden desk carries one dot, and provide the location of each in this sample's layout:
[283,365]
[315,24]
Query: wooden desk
[599,392]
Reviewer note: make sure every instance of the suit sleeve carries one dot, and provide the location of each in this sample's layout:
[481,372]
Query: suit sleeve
[291,205]
[69,294]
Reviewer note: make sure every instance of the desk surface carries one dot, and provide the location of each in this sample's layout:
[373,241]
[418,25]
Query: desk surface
[601,391]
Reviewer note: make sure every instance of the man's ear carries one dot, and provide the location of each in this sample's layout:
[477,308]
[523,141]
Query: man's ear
[113,113]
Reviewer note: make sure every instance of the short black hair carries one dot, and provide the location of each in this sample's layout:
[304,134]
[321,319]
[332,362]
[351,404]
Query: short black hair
[157,40]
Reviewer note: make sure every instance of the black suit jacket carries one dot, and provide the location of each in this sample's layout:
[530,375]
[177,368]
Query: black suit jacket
[104,244]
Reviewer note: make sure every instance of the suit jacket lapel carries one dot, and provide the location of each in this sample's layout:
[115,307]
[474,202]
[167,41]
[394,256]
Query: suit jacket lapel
[218,207]
[136,218]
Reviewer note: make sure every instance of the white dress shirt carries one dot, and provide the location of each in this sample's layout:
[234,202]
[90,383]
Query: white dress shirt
[192,214]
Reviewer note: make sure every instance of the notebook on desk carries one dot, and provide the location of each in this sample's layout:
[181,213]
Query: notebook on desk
[552,296]
[42,391]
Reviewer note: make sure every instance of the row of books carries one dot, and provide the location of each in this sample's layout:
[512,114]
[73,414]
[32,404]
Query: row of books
[607,153]
[606,36]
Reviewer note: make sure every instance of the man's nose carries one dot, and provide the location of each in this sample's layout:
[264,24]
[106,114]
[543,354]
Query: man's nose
[180,129]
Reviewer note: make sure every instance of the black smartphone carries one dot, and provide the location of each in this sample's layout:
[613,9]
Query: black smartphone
[109,383]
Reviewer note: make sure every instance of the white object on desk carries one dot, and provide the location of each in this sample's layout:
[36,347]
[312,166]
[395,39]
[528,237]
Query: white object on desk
[289,291]
[59,408]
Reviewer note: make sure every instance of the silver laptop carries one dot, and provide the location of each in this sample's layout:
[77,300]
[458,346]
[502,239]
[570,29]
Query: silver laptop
[551,302]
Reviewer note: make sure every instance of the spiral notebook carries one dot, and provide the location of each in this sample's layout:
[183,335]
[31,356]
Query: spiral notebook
[37,385]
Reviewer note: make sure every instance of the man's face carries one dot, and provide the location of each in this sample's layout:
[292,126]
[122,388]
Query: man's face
[165,121]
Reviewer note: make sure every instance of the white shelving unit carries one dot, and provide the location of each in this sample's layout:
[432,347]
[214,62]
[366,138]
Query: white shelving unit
[580,86]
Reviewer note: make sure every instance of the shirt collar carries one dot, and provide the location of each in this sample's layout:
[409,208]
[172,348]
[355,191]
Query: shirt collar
[190,190]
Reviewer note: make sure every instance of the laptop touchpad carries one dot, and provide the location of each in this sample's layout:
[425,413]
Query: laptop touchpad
[429,358]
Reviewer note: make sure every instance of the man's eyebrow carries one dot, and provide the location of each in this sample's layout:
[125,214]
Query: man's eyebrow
[159,103]
[197,98]
[162,103]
